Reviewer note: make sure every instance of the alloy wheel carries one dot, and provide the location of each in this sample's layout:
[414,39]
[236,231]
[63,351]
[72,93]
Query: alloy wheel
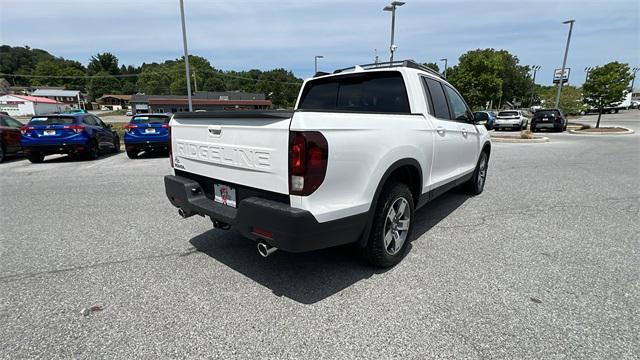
[396,227]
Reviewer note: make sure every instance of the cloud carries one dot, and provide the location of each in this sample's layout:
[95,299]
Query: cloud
[245,34]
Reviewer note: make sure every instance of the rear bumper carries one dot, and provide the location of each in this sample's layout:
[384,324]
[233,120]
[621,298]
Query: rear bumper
[146,145]
[292,229]
[55,149]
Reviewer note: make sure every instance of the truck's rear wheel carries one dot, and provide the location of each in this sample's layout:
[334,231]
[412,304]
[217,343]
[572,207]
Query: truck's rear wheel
[392,226]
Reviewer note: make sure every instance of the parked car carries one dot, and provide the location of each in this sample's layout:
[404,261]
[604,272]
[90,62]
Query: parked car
[364,148]
[9,137]
[73,134]
[147,132]
[129,113]
[489,117]
[511,119]
[552,119]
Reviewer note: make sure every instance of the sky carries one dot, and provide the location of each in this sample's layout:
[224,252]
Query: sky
[246,34]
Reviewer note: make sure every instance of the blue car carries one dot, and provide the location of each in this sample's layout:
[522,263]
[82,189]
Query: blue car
[147,132]
[73,134]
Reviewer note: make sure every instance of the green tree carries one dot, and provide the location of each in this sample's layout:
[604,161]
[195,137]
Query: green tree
[103,83]
[570,101]
[433,66]
[606,86]
[103,62]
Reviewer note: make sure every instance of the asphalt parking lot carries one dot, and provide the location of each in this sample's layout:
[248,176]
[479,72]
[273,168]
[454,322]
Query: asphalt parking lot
[543,264]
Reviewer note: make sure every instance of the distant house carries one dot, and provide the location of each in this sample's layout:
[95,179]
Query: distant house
[114,102]
[73,98]
[229,100]
[23,105]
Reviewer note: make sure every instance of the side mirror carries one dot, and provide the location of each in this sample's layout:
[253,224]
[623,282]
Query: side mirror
[478,119]
[109,126]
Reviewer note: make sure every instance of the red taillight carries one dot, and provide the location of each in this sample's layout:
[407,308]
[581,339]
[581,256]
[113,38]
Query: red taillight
[76,128]
[263,233]
[308,154]
[129,127]
[25,129]
[166,126]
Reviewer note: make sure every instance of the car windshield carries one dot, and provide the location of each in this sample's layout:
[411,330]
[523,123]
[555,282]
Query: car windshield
[151,119]
[508,113]
[547,113]
[52,120]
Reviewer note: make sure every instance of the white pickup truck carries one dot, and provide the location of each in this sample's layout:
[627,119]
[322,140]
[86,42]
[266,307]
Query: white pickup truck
[364,148]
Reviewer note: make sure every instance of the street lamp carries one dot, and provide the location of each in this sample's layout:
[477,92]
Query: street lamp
[633,80]
[564,61]
[445,67]
[392,7]
[535,69]
[186,56]
[587,70]
[315,60]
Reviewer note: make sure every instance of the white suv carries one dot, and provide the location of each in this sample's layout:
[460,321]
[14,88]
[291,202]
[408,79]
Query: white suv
[364,148]
[511,119]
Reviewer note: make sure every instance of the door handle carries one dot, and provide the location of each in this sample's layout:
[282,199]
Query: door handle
[464,132]
[440,130]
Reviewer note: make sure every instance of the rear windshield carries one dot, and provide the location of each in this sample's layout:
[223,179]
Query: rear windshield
[52,120]
[508,113]
[540,113]
[376,92]
[152,119]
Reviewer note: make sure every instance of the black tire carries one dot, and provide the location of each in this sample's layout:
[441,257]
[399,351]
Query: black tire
[35,158]
[377,252]
[132,153]
[475,185]
[93,152]
[116,145]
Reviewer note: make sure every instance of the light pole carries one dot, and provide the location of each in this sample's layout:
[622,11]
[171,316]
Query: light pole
[535,69]
[392,7]
[564,61]
[633,79]
[587,70]
[315,60]
[186,56]
[445,67]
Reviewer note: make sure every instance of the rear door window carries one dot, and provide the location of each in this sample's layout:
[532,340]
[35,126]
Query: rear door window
[52,120]
[89,120]
[440,106]
[375,92]
[459,109]
[150,119]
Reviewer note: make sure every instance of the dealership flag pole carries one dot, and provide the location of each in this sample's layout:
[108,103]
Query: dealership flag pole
[186,55]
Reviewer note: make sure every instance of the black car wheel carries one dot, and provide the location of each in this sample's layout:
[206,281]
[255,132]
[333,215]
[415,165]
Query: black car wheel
[93,151]
[35,158]
[2,154]
[132,153]
[475,185]
[392,226]
[116,145]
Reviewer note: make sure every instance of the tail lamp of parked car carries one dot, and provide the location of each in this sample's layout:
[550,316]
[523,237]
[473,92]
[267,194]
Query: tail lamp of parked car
[129,128]
[26,130]
[75,128]
[308,154]
[169,147]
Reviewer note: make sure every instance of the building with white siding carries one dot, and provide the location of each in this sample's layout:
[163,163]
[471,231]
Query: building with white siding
[22,105]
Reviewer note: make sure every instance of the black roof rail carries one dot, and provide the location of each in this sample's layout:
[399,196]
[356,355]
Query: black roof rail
[388,64]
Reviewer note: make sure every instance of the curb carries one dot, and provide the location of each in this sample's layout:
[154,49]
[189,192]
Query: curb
[543,139]
[627,132]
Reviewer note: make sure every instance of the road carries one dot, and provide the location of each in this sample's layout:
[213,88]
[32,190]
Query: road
[543,264]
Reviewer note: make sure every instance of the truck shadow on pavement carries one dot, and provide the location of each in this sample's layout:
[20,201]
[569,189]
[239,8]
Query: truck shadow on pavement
[311,277]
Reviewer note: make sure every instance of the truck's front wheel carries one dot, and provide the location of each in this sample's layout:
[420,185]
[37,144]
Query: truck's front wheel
[392,226]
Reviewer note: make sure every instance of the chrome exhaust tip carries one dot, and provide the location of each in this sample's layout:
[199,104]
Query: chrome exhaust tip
[265,249]
[184,214]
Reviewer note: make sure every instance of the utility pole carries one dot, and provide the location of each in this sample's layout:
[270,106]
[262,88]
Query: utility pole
[195,81]
[633,79]
[564,61]
[375,51]
[392,7]
[445,67]
[186,56]
[535,69]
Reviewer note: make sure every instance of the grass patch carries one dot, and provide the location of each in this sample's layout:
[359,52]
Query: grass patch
[526,134]
[119,128]
[114,113]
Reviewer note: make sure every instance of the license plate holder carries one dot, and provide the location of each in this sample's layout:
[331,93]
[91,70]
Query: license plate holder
[149,131]
[49,132]
[224,194]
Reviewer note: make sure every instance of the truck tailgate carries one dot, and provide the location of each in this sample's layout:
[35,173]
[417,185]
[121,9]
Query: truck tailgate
[241,147]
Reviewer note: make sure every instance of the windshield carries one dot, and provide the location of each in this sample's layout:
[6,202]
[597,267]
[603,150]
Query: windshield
[508,113]
[52,120]
[152,119]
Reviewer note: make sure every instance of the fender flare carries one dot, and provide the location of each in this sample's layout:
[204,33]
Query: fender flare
[374,202]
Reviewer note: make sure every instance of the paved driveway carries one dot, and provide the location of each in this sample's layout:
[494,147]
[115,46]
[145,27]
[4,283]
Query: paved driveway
[543,264]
